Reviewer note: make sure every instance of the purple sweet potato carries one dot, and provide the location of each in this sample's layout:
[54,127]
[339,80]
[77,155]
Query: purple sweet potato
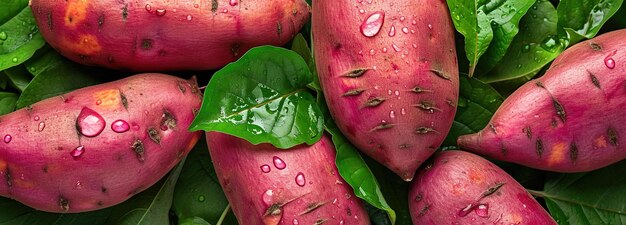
[463,188]
[570,120]
[160,35]
[389,74]
[97,146]
[270,186]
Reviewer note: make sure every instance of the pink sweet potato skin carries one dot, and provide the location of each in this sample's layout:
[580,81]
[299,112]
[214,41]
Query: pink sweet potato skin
[393,94]
[463,188]
[263,187]
[161,35]
[570,120]
[41,162]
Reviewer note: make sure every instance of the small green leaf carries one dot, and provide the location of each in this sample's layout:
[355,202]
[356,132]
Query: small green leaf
[19,77]
[488,26]
[7,102]
[263,98]
[14,213]
[396,192]
[19,39]
[356,173]
[150,207]
[57,76]
[300,46]
[583,18]
[536,46]
[587,198]
[477,104]
[198,194]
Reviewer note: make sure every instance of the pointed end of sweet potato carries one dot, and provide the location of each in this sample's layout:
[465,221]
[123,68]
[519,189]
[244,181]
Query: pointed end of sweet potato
[470,141]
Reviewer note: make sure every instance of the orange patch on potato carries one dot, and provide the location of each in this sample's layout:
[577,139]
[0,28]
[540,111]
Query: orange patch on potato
[557,153]
[76,12]
[20,183]
[457,189]
[476,176]
[600,142]
[108,99]
[86,44]
[3,165]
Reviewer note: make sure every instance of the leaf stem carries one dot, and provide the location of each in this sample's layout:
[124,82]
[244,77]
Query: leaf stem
[540,194]
[224,213]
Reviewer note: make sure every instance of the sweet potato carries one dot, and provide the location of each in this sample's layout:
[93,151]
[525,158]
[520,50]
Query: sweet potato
[569,120]
[97,146]
[463,188]
[389,74]
[270,186]
[146,35]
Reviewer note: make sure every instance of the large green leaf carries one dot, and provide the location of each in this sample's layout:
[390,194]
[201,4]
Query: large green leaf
[535,46]
[18,76]
[19,38]
[587,198]
[488,26]
[7,102]
[150,207]
[356,173]
[300,46]
[263,98]
[198,195]
[477,104]
[55,75]
[396,192]
[14,213]
[10,8]
[583,18]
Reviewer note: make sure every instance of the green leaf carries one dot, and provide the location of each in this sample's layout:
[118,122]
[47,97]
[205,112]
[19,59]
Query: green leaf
[4,80]
[396,192]
[477,104]
[10,8]
[14,213]
[356,173]
[263,98]
[198,194]
[587,198]
[19,39]
[535,46]
[7,102]
[487,24]
[300,46]
[19,77]
[55,76]
[583,18]
[150,207]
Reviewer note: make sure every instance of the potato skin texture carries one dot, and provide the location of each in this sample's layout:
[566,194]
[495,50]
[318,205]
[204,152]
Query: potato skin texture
[263,187]
[462,188]
[160,35]
[392,94]
[572,119]
[48,164]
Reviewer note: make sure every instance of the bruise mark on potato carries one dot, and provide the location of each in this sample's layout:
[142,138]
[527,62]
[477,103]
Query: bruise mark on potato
[124,100]
[75,13]
[103,189]
[424,130]
[49,20]
[440,74]
[528,132]
[355,73]
[503,149]
[492,190]
[125,12]
[382,126]
[353,92]
[594,79]
[181,86]
[100,21]
[7,177]
[139,150]
[595,46]
[146,44]
[168,120]
[312,207]
[45,169]
[214,5]
[573,152]
[539,147]
[612,134]
[423,210]
[427,106]
[560,111]
[85,44]
[154,135]
[64,204]
[373,102]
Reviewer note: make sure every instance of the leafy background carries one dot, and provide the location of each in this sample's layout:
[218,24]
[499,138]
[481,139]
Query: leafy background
[501,45]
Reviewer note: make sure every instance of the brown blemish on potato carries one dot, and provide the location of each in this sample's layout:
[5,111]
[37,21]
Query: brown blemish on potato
[557,153]
[139,150]
[75,13]
[108,99]
[539,147]
[573,152]
[168,120]
[64,204]
[154,135]
[85,44]
[214,5]
[100,21]
[612,134]
[124,100]
[595,46]
[146,44]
